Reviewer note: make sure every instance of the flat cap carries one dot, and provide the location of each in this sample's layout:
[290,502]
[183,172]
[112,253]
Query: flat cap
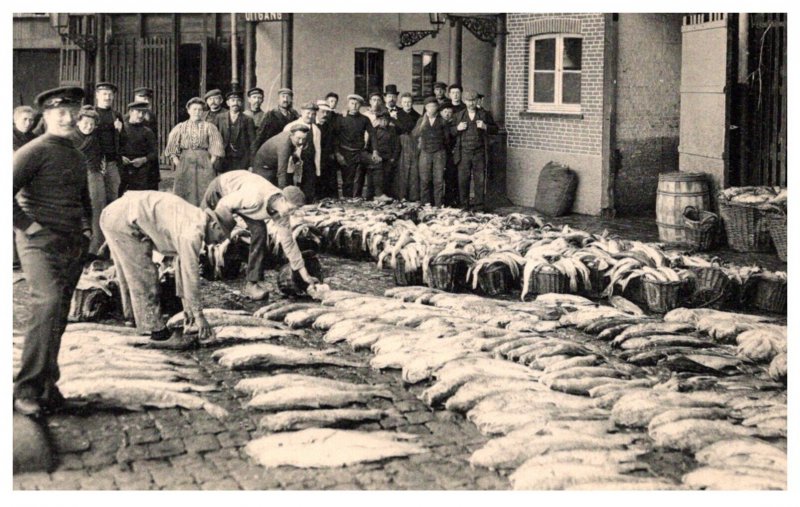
[88,111]
[143,91]
[294,195]
[196,100]
[213,93]
[233,93]
[299,127]
[287,91]
[440,84]
[323,106]
[105,85]
[256,90]
[223,217]
[63,96]
[431,100]
[355,96]
[446,105]
[376,93]
[138,104]
[310,106]
[470,95]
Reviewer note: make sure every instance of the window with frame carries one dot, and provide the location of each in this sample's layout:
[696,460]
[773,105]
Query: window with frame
[423,74]
[554,80]
[368,71]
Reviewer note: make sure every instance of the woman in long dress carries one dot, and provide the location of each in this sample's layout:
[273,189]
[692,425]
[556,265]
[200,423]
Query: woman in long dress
[193,146]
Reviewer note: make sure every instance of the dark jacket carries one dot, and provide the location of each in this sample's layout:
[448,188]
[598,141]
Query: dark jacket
[21,139]
[275,154]
[432,138]
[406,121]
[107,135]
[140,141]
[273,123]
[239,142]
[90,147]
[386,141]
[483,135]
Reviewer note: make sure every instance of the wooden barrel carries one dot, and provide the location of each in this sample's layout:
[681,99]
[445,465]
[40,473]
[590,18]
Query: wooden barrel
[676,191]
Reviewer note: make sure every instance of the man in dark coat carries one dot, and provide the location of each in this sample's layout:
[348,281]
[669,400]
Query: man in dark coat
[238,135]
[440,92]
[255,98]
[454,92]
[352,135]
[282,155]
[110,133]
[450,169]
[328,185]
[433,135]
[471,129]
[145,94]
[276,119]
[213,100]
[139,151]
[52,222]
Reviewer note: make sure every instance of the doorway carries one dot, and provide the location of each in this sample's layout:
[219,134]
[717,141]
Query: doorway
[190,75]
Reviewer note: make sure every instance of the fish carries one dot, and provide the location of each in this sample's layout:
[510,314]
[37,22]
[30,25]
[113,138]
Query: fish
[604,389]
[629,483]
[651,328]
[586,316]
[600,325]
[744,478]
[331,297]
[588,457]
[557,476]
[258,385]
[305,397]
[612,332]
[588,360]
[395,339]
[741,451]
[516,353]
[301,319]
[540,363]
[74,388]
[677,414]
[326,447]
[280,313]
[327,320]
[620,303]
[233,319]
[473,391]
[261,355]
[342,330]
[453,375]
[364,300]
[423,367]
[778,411]
[228,335]
[580,372]
[693,434]
[137,397]
[638,408]
[505,347]
[209,313]
[665,340]
[89,374]
[553,298]
[581,386]
[94,327]
[302,419]
[772,428]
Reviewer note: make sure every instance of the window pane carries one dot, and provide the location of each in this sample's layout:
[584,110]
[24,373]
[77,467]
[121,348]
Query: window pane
[571,92]
[572,53]
[428,73]
[545,56]
[544,87]
[361,65]
[361,85]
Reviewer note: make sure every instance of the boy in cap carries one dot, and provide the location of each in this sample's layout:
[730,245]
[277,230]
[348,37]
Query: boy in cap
[471,129]
[213,100]
[238,135]
[255,200]
[110,133]
[145,94]
[385,153]
[139,152]
[312,155]
[277,118]
[406,177]
[52,223]
[433,136]
[140,222]
[255,98]
[352,135]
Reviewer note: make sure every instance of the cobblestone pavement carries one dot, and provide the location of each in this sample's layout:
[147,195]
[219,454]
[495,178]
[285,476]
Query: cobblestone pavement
[180,449]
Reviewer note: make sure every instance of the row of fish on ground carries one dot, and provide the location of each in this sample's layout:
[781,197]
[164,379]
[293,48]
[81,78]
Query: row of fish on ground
[500,254]
[564,412]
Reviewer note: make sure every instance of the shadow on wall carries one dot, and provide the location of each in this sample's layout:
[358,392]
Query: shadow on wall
[639,162]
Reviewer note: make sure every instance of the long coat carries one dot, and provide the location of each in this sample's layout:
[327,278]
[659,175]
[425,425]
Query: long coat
[463,116]
[241,145]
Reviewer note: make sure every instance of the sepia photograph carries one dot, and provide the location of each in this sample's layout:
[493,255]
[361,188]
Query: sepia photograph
[399,251]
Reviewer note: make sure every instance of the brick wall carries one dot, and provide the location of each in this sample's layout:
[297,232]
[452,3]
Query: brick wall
[551,132]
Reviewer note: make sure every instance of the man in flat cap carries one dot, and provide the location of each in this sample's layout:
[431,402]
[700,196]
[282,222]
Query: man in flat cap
[471,129]
[454,92]
[52,223]
[433,136]
[140,222]
[352,137]
[327,183]
[256,200]
[277,118]
[214,101]
[312,155]
[111,135]
[440,92]
[238,135]
[139,152]
[145,94]
[375,105]
[255,98]
[273,160]
[406,178]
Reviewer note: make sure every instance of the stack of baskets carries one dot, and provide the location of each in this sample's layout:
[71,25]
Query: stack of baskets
[700,228]
[749,214]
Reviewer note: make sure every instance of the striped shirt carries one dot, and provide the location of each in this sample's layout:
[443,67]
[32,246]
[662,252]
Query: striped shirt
[191,135]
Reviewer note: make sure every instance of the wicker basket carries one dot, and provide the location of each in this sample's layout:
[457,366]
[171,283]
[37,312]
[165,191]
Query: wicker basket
[746,227]
[495,279]
[777,230]
[549,280]
[663,296]
[404,278]
[449,276]
[634,292]
[597,280]
[714,289]
[769,295]
[353,244]
[700,228]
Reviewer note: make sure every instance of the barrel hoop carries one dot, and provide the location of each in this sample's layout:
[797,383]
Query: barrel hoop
[679,176]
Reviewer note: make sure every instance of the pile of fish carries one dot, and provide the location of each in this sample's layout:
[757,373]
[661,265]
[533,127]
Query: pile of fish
[412,238]
[573,412]
[107,365]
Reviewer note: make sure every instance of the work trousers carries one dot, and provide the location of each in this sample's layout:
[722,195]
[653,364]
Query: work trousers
[472,165]
[450,182]
[137,275]
[268,174]
[353,173]
[431,171]
[327,184]
[153,175]
[52,265]
[103,190]
[258,234]
[406,177]
[134,178]
[376,178]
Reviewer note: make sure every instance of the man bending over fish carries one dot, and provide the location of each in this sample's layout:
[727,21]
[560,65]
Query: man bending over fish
[139,222]
[255,199]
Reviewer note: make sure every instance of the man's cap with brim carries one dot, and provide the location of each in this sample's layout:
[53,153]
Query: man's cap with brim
[376,93]
[223,217]
[143,91]
[287,91]
[355,96]
[58,97]
[105,85]
[431,100]
[440,84]
[310,106]
[254,91]
[138,104]
[470,95]
[213,93]
[323,106]
[89,112]
[446,105]
[294,195]
[196,100]
[233,94]
[299,127]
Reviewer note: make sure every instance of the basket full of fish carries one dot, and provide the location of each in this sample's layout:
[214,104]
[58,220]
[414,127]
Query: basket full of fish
[745,215]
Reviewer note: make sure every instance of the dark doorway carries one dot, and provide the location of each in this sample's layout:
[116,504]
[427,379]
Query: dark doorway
[35,70]
[219,64]
[190,71]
